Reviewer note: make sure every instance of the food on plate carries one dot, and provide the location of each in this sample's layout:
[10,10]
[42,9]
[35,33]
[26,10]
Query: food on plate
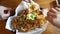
[28,19]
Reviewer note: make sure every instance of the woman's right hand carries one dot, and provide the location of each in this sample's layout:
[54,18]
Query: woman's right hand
[53,17]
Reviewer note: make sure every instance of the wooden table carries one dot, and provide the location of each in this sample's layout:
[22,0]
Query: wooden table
[13,4]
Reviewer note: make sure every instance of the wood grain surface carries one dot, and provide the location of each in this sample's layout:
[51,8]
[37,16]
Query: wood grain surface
[14,3]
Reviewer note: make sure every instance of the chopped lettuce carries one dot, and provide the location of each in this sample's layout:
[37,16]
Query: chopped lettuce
[32,16]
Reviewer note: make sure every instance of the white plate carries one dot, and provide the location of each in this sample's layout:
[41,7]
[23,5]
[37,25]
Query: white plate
[20,7]
[36,31]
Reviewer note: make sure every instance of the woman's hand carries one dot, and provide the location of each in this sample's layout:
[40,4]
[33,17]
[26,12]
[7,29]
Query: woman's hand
[53,17]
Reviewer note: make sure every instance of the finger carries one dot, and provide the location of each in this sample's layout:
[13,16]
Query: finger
[49,18]
[51,14]
[53,10]
[58,9]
